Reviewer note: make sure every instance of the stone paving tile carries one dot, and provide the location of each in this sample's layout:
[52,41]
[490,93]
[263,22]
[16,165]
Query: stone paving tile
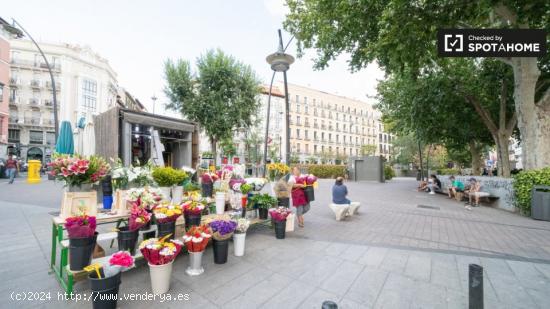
[260,293]
[395,261]
[344,276]
[225,293]
[419,266]
[316,299]
[318,273]
[291,296]
[373,257]
[367,286]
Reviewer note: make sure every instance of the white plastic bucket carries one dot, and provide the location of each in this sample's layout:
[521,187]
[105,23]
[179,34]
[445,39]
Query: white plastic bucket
[239,243]
[220,203]
[160,277]
[177,194]
[165,191]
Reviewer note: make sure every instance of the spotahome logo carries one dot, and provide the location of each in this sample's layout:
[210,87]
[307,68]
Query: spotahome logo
[491,42]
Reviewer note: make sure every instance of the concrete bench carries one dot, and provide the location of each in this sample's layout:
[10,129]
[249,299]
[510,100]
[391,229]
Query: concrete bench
[340,210]
[354,208]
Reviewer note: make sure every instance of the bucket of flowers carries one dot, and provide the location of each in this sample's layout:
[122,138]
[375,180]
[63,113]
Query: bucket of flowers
[222,230]
[82,240]
[128,235]
[239,236]
[166,215]
[309,180]
[77,172]
[192,211]
[105,279]
[160,255]
[196,239]
[279,216]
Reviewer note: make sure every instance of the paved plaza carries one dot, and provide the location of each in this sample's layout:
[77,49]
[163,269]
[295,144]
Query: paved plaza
[393,255]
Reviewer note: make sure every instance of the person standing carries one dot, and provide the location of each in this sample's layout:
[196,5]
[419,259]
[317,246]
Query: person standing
[11,168]
[298,195]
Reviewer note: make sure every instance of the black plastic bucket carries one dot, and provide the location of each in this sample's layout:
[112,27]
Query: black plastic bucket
[280,227]
[221,249]
[283,201]
[262,213]
[166,228]
[127,239]
[80,251]
[207,189]
[104,291]
[191,220]
[310,193]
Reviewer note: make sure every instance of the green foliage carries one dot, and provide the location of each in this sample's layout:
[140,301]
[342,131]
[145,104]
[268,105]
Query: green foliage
[325,170]
[221,96]
[523,184]
[389,173]
[368,150]
[207,155]
[191,186]
[263,201]
[448,171]
[228,147]
[245,188]
[168,176]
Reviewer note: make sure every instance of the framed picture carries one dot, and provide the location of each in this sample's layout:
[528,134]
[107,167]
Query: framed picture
[75,203]
[121,206]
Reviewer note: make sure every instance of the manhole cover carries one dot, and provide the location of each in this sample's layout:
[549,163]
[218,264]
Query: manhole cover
[428,207]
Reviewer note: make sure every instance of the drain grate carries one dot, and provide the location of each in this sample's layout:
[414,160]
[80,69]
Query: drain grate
[428,207]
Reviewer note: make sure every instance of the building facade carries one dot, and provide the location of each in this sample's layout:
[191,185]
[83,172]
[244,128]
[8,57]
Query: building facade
[85,86]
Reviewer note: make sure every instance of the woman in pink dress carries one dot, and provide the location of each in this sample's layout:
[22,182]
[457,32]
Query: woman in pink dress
[298,195]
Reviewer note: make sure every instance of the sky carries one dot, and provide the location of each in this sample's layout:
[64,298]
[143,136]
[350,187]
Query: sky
[137,37]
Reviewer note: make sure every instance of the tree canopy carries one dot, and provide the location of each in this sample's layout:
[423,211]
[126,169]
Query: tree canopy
[221,95]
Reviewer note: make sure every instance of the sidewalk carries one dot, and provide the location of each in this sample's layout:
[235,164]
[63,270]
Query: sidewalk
[393,255]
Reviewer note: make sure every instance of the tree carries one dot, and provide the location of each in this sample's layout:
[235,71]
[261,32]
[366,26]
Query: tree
[228,148]
[400,36]
[221,95]
[368,150]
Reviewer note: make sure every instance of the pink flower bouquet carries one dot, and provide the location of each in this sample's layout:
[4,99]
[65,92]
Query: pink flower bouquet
[80,226]
[279,213]
[138,218]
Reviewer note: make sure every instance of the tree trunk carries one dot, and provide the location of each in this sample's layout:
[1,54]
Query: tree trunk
[502,143]
[213,143]
[477,161]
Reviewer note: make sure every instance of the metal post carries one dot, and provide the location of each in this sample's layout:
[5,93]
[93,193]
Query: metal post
[267,122]
[56,124]
[475,286]
[421,164]
[287,110]
[328,304]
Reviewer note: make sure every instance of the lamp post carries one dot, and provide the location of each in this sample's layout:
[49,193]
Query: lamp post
[279,62]
[154,98]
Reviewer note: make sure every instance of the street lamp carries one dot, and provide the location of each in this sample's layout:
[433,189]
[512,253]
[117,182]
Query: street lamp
[154,98]
[279,62]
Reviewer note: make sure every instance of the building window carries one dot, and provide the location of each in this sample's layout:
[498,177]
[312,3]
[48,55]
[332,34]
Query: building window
[298,147]
[50,138]
[315,135]
[36,137]
[305,108]
[305,134]
[298,120]
[315,149]
[337,138]
[297,133]
[307,148]
[89,94]
[297,99]
[13,136]
[1,92]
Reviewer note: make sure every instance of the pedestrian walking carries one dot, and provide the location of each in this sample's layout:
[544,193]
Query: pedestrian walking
[11,168]
[298,195]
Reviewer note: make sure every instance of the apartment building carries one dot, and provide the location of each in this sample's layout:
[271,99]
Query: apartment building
[85,84]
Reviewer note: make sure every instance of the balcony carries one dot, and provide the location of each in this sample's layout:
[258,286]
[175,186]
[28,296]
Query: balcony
[48,103]
[35,84]
[32,121]
[13,119]
[15,82]
[34,102]
[306,124]
[36,141]
[323,127]
[316,126]
[57,86]
[14,100]
[47,122]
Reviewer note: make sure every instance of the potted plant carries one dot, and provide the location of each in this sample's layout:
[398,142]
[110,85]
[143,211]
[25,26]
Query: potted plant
[196,239]
[105,279]
[191,188]
[164,177]
[77,172]
[192,211]
[179,178]
[166,215]
[279,216]
[160,255]
[239,236]
[82,240]
[245,189]
[263,202]
[222,230]
[128,235]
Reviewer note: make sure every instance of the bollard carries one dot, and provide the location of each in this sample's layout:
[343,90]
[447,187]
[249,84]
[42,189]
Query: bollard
[33,175]
[328,304]
[475,284]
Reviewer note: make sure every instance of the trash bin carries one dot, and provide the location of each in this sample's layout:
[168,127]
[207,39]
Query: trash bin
[540,203]
[34,171]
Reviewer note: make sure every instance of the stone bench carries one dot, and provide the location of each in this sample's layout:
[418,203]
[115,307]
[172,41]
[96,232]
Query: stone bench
[340,210]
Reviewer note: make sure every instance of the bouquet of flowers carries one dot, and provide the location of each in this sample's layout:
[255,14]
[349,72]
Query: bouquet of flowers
[166,212]
[256,183]
[192,207]
[158,251]
[209,177]
[277,170]
[77,170]
[138,218]
[279,213]
[141,175]
[222,229]
[235,184]
[117,262]
[119,174]
[144,197]
[310,179]
[80,226]
[242,225]
[197,238]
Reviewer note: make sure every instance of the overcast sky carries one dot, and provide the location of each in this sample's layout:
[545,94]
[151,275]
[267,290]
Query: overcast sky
[137,36]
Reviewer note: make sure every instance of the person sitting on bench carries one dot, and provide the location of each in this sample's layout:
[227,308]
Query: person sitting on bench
[339,192]
[475,192]
[456,186]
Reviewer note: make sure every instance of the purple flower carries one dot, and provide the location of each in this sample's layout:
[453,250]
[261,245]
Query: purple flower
[223,227]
